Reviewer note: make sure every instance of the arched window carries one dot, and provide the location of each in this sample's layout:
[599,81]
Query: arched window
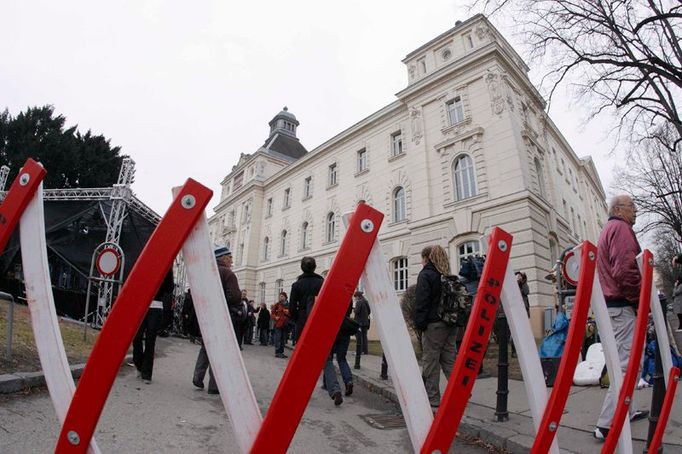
[283,243]
[468,249]
[465,177]
[331,227]
[541,177]
[399,204]
[305,242]
[399,268]
[266,249]
[553,254]
[261,292]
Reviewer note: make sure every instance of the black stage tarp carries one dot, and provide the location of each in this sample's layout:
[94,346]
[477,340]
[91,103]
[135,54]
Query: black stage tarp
[73,229]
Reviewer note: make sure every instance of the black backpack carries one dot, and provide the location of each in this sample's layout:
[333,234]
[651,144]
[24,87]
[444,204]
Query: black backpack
[455,305]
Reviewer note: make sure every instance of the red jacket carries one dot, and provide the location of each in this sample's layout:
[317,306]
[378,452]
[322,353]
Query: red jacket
[280,314]
[619,276]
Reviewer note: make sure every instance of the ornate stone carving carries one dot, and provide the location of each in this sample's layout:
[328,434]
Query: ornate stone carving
[416,125]
[499,91]
[483,33]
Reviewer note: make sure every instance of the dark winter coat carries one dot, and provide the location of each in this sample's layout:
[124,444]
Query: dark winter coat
[263,318]
[231,290]
[362,312]
[303,292]
[427,297]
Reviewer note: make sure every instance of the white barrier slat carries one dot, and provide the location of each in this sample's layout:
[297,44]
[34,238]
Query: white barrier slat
[526,350]
[608,341]
[219,338]
[397,345]
[40,300]
[661,327]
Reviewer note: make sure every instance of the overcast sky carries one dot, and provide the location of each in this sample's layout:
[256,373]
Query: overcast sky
[185,87]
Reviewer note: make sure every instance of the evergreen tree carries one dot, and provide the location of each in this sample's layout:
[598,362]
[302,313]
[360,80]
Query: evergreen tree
[72,159]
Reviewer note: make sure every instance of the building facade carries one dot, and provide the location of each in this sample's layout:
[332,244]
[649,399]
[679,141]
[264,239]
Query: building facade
[466,146]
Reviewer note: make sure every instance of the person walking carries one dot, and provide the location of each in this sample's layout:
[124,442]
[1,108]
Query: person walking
[280,314]
[303,293]
[263,324]
[361,316]
[250,322]
[232,293]
[677,302]
[438,338]
[620,280]
[240,318]
[144,341]
[340,350]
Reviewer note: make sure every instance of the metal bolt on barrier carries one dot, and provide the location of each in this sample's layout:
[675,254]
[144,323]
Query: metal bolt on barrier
[552,426]
[24,179]
[73,437]
[367,225]
[188,201]
[502,245]
[627,400]
[591,256]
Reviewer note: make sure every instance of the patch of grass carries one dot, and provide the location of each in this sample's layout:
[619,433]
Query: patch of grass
[373,347]
[490,360]
[24,351]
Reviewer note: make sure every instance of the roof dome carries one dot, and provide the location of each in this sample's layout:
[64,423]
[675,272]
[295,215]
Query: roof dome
[286,115]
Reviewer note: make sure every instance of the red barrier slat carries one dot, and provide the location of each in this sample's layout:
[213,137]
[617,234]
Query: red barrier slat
[569,360]
[126,315]
[474,344]
[312,349]
[632,372]
[665,410]
[19,195]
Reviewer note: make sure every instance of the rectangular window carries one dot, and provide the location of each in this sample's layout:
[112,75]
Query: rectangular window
[455,110]
[421,64]
[469,41]
[308,187]
[261,292]
[396,144]
[362,160]
[287,198]
[400,274]
[268,211]
[331,176]
[238,181]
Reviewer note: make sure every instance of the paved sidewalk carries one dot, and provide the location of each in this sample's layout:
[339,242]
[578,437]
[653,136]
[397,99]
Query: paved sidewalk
[517,434]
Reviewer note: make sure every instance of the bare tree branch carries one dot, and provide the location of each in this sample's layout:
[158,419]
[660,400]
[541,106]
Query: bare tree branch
[625,56]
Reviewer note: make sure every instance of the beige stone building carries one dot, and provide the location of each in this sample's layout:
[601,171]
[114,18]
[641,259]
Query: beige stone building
[466,146]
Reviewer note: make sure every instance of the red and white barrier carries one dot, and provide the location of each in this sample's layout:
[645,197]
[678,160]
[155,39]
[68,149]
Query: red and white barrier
[185,226]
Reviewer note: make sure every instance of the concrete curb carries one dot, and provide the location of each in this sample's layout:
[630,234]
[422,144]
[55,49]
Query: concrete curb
[500,437]
[21,381]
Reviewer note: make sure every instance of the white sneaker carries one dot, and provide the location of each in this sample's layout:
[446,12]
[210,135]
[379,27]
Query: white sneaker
[642,384]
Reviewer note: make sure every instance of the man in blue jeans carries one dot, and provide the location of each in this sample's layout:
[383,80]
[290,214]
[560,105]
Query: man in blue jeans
[280,314]
[340,349]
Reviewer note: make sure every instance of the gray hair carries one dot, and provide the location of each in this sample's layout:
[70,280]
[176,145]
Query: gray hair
[616,201]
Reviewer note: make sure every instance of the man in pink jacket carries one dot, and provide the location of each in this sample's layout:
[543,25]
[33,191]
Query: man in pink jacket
[620,280]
